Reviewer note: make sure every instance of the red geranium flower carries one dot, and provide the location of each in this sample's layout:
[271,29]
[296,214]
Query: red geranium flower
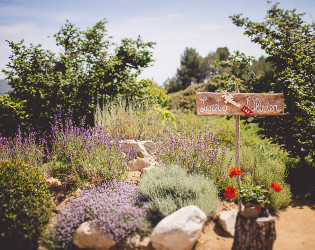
[276,187]
[230,192]
[235,171]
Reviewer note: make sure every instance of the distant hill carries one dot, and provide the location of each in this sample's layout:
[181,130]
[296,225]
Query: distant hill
[4,87]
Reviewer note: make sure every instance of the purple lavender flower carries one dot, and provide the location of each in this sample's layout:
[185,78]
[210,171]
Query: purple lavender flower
[115,207]
[197,152]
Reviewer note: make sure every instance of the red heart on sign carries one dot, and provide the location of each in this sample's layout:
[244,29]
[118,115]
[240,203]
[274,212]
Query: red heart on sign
[247,111]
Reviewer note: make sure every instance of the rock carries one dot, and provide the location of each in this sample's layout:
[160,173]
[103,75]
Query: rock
[138,147]
[53,182]
[130,242]
[144,243]
[180,230]
[89,236]
[227,221]
[140,163]
[78,193]
[149,146]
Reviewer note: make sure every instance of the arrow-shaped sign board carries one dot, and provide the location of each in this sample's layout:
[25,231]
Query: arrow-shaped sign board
[233,104]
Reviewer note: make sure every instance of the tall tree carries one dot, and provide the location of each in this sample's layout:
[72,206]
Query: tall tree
[89,69]
[289,43]
[190,68]
[195,69]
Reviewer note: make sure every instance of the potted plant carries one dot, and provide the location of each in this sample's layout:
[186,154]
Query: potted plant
[254,198]
[254,227]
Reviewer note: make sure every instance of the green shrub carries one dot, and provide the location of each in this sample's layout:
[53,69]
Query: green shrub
[25,205]
[169,188]
[185,100]
[261,169]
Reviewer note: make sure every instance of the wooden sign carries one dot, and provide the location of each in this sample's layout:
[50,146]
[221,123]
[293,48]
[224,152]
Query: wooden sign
[234,104]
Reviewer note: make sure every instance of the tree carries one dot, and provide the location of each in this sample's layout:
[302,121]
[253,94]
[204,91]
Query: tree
[189,71]
[89,69]
[209,68]
[195,69]
[289,43]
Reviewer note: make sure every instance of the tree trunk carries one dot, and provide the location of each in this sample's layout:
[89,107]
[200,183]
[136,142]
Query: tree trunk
[254,233]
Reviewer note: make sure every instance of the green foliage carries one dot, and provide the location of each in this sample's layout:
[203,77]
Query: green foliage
[261,161]
[25,205]
[289,44]
[225,131]
[140,121]
[257,195]
[263,169]
[88,69]
[169,188]
[195,69]
[11,114]
[185,100]
[190,70]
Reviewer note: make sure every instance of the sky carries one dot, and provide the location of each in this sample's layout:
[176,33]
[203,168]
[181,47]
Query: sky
[173,24]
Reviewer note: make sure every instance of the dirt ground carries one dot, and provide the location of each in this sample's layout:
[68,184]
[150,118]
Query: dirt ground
[295,229]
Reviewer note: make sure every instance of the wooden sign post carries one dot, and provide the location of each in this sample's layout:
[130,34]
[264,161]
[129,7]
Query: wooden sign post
[238,104]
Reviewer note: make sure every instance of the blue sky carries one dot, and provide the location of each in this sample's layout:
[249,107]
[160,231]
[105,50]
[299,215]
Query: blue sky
[172,24]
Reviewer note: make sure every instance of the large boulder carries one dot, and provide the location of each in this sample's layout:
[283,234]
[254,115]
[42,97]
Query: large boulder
[144,151]
[89,236]
[141,148]
[180,230]
[227,220]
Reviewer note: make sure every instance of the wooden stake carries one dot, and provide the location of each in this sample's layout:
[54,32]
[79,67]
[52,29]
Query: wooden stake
[237,148]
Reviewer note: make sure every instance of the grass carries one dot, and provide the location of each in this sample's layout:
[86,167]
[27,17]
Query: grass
[134,121]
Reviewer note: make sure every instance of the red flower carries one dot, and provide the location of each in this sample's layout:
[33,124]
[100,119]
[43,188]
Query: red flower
[235,171]
[230,192]
[276,187]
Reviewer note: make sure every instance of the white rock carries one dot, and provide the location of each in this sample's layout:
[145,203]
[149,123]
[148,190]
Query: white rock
[137,146]
[88,236]
[141,148]
[180,230]
[227,220]
[140,163]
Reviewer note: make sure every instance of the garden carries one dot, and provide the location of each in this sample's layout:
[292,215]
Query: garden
[91,157]
[87,170]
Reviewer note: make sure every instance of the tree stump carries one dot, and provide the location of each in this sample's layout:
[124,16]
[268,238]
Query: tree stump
[254,233]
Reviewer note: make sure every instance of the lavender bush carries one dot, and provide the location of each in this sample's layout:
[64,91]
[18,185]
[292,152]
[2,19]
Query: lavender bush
[24,148]
[197,152]
[115,207]
[82,154]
